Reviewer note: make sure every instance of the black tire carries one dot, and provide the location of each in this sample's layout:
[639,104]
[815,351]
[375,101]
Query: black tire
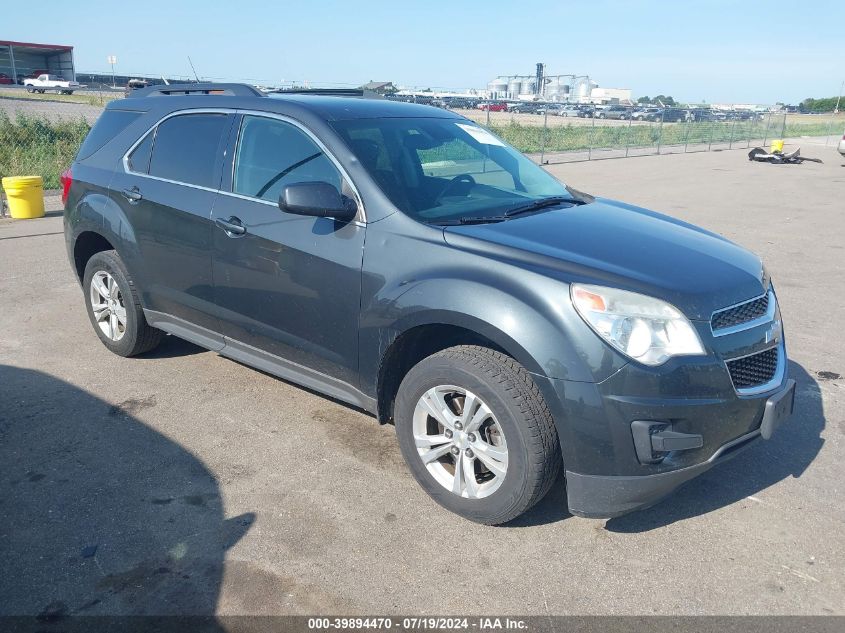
[138,337]
[512,396]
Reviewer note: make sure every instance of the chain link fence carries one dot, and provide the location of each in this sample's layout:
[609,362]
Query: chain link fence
[40,133]
[550,133]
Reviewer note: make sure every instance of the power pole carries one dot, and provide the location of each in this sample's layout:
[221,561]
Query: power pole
[112,60]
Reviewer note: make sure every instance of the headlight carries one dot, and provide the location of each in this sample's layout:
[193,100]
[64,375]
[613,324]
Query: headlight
[645,329]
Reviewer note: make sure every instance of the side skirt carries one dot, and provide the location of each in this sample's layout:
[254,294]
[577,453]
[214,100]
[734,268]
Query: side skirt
[259,359]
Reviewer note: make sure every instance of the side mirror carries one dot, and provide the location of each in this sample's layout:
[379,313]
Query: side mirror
[316,199]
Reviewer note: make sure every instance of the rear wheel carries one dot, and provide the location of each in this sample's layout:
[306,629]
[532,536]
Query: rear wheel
[477,434]
[114,308]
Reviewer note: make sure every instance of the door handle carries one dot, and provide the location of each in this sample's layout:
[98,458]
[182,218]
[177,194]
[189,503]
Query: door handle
[133,194]
[232,226]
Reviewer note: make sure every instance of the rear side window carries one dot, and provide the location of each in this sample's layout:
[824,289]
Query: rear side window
[110,124]
[186,148]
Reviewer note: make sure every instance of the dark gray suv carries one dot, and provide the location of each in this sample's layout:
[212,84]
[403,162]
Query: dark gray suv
[405,260]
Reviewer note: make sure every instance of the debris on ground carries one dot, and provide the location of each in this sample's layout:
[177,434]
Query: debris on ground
[779,158]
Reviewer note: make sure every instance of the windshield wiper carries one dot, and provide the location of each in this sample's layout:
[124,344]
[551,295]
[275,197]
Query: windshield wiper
[542,203]
[479,219]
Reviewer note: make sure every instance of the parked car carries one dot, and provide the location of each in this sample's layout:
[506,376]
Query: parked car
[568,110]
[842,145]
[134,84]
[706,114]
[525,107]
[54,83]
[647,114]
[550,108]
[496,316]
[5,79]
[743,115]
[674,115]
[586,111]
[493,106]
[615,111]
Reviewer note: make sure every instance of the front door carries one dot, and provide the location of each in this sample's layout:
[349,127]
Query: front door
[288,285]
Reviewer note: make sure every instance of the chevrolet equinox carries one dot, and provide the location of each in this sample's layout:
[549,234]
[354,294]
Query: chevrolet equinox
[405,260]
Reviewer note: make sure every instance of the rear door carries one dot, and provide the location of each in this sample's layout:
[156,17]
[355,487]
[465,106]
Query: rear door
[287,285]
[167,187]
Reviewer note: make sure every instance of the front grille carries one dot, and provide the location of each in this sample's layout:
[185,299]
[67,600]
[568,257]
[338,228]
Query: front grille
[754,370]
[742,313]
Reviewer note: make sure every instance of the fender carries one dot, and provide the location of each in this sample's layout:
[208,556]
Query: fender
[527,314]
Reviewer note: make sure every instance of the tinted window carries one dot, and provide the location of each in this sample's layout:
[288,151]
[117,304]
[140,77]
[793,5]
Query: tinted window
[110,124]
[273,154]
[445,169]
[139,159]
[186,149]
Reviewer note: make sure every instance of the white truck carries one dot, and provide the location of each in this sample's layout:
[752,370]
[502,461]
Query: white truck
[46,82]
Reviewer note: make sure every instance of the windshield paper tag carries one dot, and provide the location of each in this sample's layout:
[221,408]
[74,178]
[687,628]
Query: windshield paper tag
[480,134]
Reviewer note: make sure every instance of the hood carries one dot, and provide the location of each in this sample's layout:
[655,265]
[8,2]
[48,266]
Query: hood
[619,245]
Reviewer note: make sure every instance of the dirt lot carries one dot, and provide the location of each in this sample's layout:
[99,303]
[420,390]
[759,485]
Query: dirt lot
[185,482]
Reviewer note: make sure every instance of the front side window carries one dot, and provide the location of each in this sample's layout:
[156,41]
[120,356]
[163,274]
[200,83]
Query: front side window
[186,149]
[442,170]
[273,154]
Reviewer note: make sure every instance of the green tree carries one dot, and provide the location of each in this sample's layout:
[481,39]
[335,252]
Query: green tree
[665,100]
[826,104]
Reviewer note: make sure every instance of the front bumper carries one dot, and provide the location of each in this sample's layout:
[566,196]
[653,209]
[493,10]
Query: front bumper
[606,496]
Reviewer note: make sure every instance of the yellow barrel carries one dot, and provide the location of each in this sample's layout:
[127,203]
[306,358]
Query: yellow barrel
[25,195]
[777,146]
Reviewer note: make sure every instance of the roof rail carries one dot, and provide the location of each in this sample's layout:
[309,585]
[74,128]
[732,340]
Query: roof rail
[232,90]
[329,92]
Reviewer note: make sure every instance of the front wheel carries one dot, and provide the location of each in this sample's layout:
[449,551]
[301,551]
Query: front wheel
[477,434]
[30,89]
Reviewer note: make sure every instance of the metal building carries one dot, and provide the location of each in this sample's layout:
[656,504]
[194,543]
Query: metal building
[20,59]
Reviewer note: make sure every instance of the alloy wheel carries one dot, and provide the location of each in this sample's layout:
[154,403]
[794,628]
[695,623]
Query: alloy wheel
[460,442]
[107,305]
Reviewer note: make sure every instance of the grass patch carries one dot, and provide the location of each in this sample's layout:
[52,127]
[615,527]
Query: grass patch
[86,98]
[562,138]
[36,146]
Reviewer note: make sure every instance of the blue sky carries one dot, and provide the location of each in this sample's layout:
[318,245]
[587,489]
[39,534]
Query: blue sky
[719,51]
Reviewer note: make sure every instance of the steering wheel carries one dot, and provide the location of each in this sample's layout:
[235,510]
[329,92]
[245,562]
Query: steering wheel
[468,180]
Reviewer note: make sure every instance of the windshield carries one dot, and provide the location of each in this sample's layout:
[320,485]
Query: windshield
[442,170]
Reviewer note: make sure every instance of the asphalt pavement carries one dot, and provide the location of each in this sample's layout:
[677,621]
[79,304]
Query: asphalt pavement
[183,482]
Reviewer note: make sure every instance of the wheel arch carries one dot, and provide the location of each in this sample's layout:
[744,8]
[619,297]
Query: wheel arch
[95,223]
[87,244]
[426,336]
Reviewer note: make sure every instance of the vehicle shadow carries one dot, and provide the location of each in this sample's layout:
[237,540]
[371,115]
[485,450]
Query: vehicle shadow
[99,513]
[791,450]
[550,509]
[173,347]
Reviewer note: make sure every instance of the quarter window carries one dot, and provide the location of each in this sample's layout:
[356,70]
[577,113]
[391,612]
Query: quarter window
[186,149]
[273,154]
[110,124]
[139,159]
